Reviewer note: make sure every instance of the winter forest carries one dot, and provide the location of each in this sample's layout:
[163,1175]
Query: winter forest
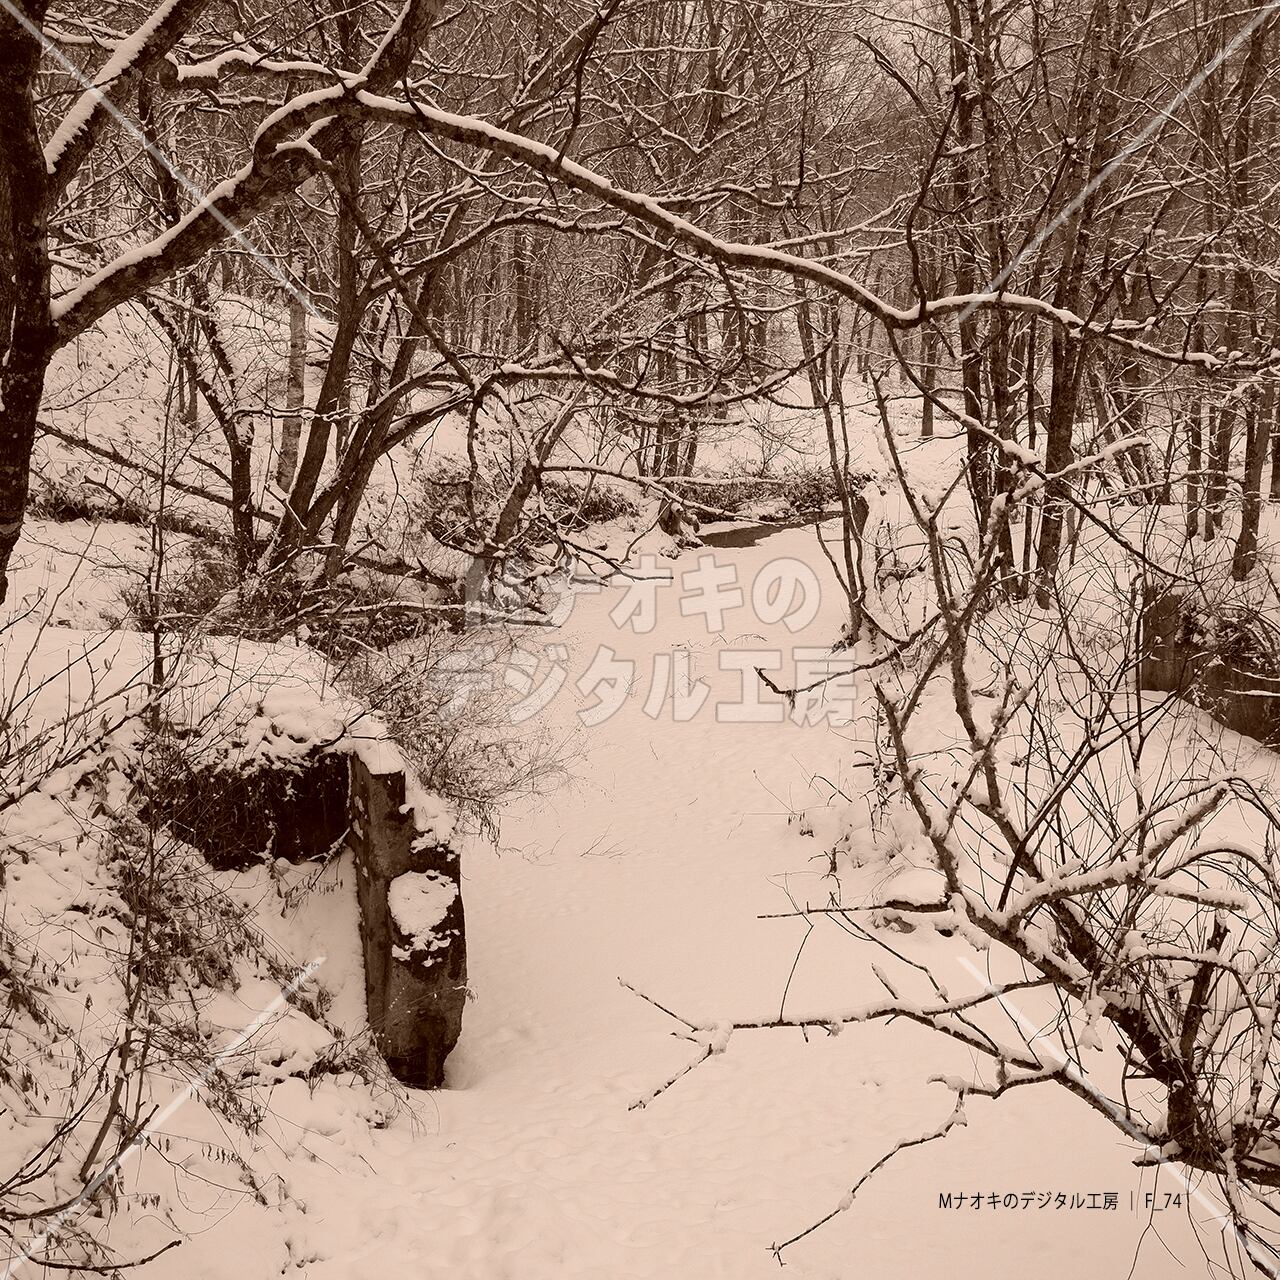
[639,639]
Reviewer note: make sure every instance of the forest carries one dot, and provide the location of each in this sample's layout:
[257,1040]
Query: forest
[639,638]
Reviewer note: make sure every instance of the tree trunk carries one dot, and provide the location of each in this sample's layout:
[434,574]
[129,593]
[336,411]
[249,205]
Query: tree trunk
[1271,419]
[1245,556]
[295,387]
[1059,452]
[1244,299]
[26,344]
[1219,435]
[981,463]
[928,377]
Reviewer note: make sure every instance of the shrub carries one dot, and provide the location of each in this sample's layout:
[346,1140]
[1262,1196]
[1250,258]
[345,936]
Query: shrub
[1240,636]
[798,492]
[444,706]
[574,505]
[356,610]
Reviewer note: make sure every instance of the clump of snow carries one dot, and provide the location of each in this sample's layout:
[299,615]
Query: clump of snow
[921,886]
[1088,1036]
[715,1038]
[419,902]
[433,819]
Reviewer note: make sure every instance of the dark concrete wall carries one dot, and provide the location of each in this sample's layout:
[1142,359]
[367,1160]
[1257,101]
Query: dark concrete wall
[414,999]
[295,809]
[300,810]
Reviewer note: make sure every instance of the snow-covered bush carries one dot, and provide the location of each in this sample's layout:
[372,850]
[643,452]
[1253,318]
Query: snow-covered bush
[1104,873]
[336,615]
[440,701]
[575,505]
[138,978]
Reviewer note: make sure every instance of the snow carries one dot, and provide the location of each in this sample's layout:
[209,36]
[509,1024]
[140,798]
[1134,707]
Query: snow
[433,819]
[419,902]
[244,704]
[654,865]
[121,63]
[253,703]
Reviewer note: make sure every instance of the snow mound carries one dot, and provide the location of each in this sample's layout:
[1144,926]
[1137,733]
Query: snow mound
[243,703]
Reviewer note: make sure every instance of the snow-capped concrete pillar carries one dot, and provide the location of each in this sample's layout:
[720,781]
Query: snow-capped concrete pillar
[415,958]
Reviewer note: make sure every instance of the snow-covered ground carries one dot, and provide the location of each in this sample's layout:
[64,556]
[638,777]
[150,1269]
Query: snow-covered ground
[685,820]
[652,868]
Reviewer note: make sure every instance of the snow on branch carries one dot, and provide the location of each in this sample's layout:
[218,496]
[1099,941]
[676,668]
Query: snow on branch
[129,62]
